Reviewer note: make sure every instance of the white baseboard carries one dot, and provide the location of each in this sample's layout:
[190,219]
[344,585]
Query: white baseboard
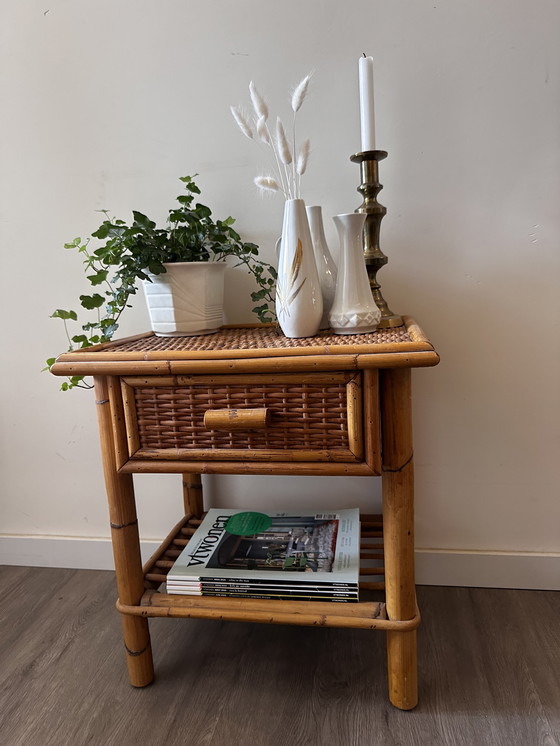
[477,569]
[79,553]
[487,569]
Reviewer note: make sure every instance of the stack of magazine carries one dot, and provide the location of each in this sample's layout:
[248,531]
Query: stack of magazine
[244,554]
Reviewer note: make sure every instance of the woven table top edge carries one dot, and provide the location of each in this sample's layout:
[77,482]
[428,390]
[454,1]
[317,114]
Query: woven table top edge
[244,341]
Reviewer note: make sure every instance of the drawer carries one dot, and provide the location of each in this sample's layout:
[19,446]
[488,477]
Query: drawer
[280,417]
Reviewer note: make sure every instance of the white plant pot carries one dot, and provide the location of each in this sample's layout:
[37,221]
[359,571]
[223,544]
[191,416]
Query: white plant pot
[186,300]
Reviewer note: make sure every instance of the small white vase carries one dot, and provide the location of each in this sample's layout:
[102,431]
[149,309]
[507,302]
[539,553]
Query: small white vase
[353,311]
[326,268]
[186,300]
[299,302]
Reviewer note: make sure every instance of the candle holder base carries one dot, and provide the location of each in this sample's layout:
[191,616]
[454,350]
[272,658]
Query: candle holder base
[374,258]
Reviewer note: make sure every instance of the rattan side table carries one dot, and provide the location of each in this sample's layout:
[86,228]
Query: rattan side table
[327,405]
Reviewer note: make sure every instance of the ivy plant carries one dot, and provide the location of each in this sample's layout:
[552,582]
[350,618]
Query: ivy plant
[117,255]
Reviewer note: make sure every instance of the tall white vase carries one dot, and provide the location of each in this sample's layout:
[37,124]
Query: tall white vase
[353,311]
[326,268]
[299,302]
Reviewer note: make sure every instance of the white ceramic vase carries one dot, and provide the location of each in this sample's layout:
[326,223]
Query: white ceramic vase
[353,311]
[186,300]
[326,268]
[299,302]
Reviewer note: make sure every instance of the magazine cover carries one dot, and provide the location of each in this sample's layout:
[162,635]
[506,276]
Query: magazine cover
[310,548]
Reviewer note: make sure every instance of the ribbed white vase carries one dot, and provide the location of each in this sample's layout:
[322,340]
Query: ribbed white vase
[326,268]
[186,300]
[353,311]
[299,301]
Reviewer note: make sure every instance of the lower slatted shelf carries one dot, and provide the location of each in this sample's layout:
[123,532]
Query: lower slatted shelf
[367,614]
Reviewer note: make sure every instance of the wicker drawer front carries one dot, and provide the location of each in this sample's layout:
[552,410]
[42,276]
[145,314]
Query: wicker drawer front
[311,417]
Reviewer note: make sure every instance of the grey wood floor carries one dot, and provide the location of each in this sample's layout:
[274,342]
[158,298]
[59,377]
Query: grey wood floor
[489,673]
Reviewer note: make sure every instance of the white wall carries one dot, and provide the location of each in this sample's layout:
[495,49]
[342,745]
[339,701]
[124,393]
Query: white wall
[105,104]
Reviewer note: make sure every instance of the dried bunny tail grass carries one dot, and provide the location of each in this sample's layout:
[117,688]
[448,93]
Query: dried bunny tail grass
[264,134]
[303,157]
[259,104]
[282,141]
[242,122]
[263,131]
[267,183]
[298,96]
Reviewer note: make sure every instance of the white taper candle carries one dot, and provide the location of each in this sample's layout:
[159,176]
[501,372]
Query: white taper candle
[367,118]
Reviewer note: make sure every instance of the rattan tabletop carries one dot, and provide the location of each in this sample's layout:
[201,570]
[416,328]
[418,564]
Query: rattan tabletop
[242,342]
[259,338]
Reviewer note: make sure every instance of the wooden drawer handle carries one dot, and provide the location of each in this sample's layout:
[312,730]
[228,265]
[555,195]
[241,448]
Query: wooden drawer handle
[236,419]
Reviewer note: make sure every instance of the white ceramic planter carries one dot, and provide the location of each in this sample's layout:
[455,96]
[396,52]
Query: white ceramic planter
[186,300]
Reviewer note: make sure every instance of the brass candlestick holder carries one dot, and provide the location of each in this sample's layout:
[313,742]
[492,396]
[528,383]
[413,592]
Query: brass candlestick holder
[375,259]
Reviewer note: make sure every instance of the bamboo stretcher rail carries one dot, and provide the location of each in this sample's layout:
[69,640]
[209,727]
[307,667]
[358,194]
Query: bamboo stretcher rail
[369,609]
[307,613]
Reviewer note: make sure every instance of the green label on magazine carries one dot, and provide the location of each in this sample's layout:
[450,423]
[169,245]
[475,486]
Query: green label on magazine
[249,523]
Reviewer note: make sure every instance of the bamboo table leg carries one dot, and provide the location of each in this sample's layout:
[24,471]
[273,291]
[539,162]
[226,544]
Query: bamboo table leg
[126,542]
[192,494]
[398,530]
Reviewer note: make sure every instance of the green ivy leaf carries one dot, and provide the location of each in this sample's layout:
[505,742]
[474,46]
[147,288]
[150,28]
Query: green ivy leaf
[263,313]
[102,231]
[50,362]
[73,244]
[60,314]
[259,295]
[92,301]
[108,331]
[99,277]
[142,220]
[82,340]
